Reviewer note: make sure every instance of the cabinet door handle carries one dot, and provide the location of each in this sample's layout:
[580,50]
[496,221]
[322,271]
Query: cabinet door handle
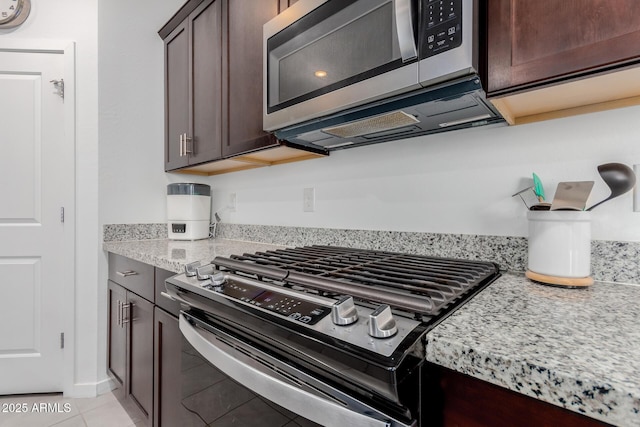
[187,140]
[127,318]
[126,273]
[181,144]
[119,315]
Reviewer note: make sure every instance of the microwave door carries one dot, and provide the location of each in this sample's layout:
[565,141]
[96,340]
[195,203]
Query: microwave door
[336,55]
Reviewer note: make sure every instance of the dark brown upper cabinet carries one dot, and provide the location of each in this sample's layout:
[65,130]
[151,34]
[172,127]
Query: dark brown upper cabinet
[213,88]
[242,77]
[545,43]
[193,92]
[177,97]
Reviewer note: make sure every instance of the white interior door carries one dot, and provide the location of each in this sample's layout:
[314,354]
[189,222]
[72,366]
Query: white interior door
[36,246]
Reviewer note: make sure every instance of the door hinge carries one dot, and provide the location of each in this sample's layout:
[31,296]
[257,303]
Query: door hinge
[61,339]
[62,214]
[59,86]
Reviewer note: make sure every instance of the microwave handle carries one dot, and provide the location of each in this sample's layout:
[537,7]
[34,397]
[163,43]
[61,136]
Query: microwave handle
[404,29]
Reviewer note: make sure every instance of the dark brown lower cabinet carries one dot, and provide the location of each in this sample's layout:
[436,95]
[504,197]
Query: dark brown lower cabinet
[144,341]
[117,333]
[468,402]
[140,385]
[130,350]
[168,348]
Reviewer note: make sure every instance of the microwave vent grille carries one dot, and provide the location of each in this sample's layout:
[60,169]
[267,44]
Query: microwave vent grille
[389,121]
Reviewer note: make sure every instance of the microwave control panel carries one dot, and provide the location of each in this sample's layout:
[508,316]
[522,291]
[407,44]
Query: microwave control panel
[441,26]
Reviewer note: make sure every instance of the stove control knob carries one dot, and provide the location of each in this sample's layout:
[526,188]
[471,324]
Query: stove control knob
[344,312]
[190,269]
[217,281]
[381,323]
[204,272]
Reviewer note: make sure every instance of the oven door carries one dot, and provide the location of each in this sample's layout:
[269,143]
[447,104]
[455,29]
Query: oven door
[323,56]
[279,382]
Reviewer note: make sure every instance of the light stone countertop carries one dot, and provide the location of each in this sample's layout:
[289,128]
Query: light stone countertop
[172,255]
[575,348]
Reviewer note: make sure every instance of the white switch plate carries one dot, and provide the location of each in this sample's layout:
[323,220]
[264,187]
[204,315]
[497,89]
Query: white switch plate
[233,200]
[309,200]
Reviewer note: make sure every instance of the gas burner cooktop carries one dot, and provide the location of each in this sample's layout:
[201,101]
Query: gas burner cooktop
[351,295]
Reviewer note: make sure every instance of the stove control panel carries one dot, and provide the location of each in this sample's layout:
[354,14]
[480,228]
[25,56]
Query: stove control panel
[293,308]
[376,330]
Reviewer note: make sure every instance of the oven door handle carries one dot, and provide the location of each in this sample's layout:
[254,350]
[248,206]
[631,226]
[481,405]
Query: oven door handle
[404,30]
[254,375]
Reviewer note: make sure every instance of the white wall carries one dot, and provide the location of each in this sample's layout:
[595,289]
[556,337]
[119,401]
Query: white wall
[76,20]
[457,182]
[131,101]
[131,63]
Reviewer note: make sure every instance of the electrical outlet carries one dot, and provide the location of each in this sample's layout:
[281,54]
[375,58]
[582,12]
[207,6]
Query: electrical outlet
[309,200]
[233,201]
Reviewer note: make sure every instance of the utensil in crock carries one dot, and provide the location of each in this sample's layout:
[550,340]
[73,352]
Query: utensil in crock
[618,177]
[571,195]
[539,189]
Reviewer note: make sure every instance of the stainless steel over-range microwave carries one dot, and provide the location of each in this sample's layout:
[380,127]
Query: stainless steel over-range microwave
[327,58]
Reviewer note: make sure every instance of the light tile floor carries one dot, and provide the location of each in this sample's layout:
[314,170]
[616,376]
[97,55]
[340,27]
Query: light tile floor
[47,410]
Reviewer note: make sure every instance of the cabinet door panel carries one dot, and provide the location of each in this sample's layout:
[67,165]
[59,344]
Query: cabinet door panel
[117,334]
[176,95]
[140,317]
[168,349]
[206,108]
[470,402]
[532,42]
[243,75]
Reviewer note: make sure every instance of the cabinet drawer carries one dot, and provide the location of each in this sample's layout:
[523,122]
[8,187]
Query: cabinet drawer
[132,275]
[165,303]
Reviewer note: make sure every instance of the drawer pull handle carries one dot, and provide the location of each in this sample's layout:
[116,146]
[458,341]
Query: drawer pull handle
[126,273]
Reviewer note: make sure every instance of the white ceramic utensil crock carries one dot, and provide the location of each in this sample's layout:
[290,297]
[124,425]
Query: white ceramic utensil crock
[560,243]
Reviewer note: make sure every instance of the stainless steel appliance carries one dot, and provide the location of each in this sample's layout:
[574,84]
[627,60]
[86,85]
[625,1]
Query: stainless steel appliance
[341,73]
[335,335]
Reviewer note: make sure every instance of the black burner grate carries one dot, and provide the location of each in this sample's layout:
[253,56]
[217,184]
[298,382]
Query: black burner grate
[415,283]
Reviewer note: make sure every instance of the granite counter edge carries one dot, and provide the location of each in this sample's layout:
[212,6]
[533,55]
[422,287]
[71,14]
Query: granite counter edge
[598,399]
[156,261]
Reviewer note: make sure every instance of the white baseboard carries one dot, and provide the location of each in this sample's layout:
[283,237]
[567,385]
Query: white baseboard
[105,386]
[91,389]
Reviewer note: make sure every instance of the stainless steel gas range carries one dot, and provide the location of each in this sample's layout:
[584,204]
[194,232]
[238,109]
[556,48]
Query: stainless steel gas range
[335,335]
